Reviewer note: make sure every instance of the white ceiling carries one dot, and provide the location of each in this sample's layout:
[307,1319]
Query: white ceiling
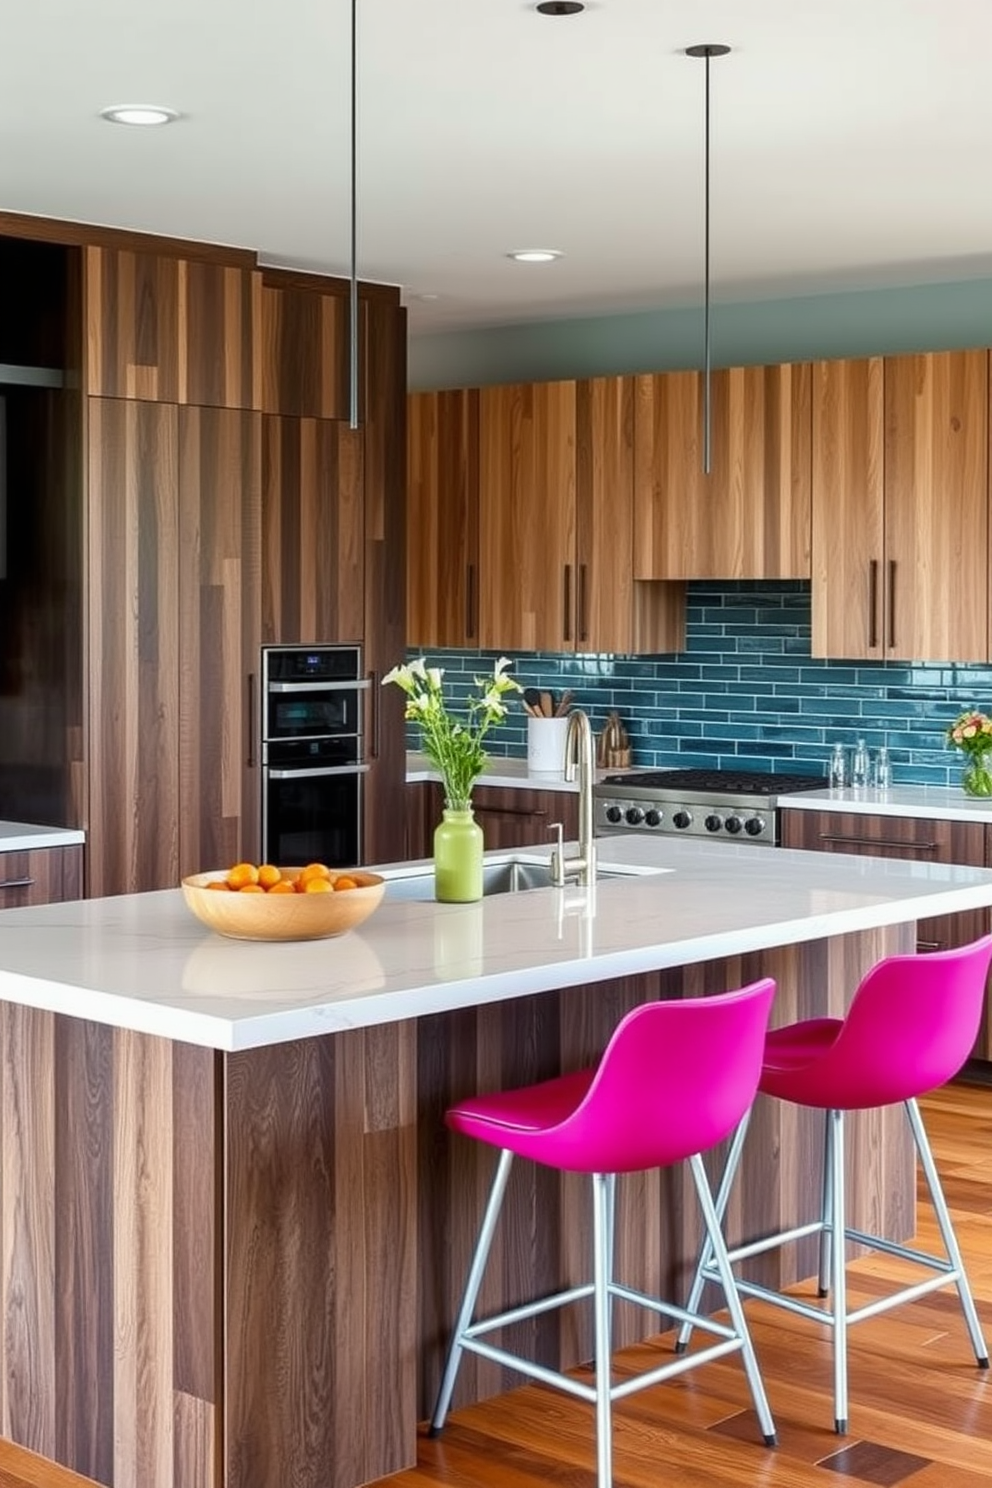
[850,146]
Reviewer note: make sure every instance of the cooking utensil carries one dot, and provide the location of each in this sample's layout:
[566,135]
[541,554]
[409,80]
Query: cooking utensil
[548,704]
[532,701]
[564,703]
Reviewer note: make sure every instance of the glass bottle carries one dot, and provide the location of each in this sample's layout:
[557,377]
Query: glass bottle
[860,765]
[883,768]
[838,768]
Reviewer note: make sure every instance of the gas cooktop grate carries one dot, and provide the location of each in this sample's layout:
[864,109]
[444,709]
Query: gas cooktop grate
[728,782]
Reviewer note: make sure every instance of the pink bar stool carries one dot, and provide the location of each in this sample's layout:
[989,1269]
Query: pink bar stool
[675,1079]
[910,1028]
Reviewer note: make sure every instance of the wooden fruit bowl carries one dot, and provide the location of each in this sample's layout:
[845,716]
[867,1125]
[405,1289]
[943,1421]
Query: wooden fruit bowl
[282,916]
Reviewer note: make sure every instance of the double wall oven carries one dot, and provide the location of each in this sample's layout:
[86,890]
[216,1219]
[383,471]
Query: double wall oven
[313,754]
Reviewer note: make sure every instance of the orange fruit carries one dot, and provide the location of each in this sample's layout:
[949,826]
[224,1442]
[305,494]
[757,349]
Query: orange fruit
[242,874]
[251,888]
[219,883]
[312,871]
[318,886]
[269,876]
[282,887]
[344,881]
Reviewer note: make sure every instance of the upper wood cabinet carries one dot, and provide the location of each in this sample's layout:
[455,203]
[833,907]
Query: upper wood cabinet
[750,517]
[900,507]
[555,523]
[167,330]
[302,348]
[443,518]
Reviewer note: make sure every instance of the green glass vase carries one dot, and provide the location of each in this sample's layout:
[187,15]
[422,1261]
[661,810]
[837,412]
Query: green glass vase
[976,778]
[458,857]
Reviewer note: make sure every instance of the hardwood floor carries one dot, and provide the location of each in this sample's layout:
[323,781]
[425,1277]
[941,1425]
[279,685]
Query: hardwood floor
[921,1413]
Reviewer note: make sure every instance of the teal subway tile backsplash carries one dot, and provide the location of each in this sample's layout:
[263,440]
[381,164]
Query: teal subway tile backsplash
[747,692]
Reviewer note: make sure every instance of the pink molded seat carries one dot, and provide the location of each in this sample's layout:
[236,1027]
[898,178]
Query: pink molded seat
[675,1079]
[911,1025]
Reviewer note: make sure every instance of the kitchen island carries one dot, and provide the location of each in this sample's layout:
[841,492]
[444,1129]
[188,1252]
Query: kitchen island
[234,1227]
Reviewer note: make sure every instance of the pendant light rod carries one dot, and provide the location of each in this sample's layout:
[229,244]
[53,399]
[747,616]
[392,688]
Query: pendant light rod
[353,283]
[707,50]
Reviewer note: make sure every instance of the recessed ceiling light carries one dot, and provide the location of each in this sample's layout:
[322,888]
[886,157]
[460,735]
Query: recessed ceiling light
[138,113]
[535,255]
[559,7]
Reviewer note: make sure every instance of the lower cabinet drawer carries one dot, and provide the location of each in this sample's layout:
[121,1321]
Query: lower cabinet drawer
[46,875]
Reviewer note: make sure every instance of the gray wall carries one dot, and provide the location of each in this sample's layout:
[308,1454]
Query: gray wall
[928,317]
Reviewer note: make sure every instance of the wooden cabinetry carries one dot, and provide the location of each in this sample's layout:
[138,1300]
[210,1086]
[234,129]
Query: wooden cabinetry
[43,875]
[509,816]
[921,838]
[167,329]
[302,346]
[443,519]
[900,503]
[556,523]
[750,517]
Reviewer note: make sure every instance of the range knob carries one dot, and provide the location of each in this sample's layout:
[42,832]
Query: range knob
[652,818]
[713,823]
[682,819]
[754,826]
[635,816]
[614,815]
[733,825]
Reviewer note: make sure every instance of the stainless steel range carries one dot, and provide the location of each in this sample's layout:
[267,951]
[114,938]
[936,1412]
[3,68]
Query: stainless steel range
[733,805]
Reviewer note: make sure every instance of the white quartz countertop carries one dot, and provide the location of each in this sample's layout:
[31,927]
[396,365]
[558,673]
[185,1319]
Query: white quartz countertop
[143,962]
[933,801]
[23,837]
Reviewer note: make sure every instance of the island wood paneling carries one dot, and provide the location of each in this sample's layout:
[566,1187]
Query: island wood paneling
[220,519]
[108,1215]
[133,646]
[46,875]
[443,518]
[168,330]
[321,1260]
[750,517]
[384,567]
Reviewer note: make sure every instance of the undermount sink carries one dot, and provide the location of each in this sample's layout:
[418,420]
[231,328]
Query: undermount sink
[509,875]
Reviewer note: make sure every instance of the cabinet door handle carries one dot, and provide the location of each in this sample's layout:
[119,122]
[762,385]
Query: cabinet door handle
[251,721]
[583,624]
[931,945]
[873,603]
[567,615]
[17,883]
[471,603]
[374,702]
[892,602]
[880,842]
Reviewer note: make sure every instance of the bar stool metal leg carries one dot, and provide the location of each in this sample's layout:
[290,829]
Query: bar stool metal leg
[720,1208]
[948,1236]
[826,1211]
[472,1285]
[835,1120]
[604,1189]
[718,1250]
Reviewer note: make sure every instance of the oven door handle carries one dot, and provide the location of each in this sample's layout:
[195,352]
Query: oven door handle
[307,774]
[354,685]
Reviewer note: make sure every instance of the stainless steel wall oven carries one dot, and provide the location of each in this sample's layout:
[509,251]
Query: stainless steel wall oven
[313,754]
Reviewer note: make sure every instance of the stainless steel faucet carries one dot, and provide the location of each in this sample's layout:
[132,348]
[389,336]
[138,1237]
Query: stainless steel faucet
[579,755]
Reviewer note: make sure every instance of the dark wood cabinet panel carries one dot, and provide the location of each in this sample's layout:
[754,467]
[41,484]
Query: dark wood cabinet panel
[509,817]
[132,643]
[384,570]
[302,358]
[220,501]
[910,837]
[443,518]
[168,330]
[44,875]
[313,530]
